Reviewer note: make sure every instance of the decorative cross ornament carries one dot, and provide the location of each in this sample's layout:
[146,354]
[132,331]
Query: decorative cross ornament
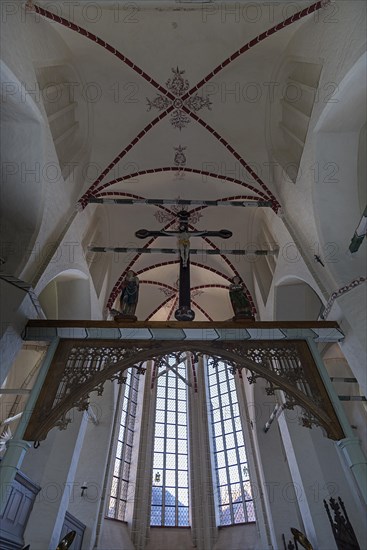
[184,311]
[179,87]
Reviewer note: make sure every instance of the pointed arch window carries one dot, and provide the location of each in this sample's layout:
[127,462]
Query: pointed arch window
[231,472]
[121,471]
[170,490]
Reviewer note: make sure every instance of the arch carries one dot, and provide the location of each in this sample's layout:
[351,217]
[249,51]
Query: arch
[68,386]
[67,296]
[294,300]
[339,137]
[290,113]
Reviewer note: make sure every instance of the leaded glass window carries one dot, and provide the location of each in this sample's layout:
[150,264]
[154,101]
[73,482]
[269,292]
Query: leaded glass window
[170,489]
[230,462]
[121,471]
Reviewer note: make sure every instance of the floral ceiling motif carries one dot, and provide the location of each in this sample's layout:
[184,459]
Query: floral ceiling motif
[163,216]
[180,157]
[178,86]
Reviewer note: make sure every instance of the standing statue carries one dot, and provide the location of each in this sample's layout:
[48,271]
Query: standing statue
[128,298]
[240,303]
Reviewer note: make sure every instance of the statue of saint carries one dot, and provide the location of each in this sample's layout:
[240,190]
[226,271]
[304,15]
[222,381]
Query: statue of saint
[240,303]
[129,295]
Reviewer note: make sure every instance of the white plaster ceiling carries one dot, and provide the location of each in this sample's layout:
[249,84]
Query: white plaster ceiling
[195,38]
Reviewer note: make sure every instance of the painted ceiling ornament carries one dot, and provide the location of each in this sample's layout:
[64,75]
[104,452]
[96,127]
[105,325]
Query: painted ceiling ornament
[178,86]
[180,157]
[165,216]
[180,161]
[29,6]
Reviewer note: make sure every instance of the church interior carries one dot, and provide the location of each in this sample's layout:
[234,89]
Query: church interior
[183,275]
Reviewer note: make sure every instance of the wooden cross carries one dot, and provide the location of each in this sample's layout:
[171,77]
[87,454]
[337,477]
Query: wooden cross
[184,311]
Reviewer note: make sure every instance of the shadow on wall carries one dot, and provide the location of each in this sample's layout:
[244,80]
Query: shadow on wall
[21,143]
[67,296]
[295,300]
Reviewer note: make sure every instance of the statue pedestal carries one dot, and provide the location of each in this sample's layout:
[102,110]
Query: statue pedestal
[243,317]
[119,317]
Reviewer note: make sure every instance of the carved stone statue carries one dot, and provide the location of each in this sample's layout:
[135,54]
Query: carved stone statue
[128,298]
[240,303]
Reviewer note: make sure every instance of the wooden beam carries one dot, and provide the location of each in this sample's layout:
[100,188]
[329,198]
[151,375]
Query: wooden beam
[64,323]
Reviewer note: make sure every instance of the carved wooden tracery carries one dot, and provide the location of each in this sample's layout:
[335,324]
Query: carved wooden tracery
[80,367]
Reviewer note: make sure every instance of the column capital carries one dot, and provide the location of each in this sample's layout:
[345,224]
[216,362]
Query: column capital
[351,448]
[356,461]
[15,451]
[19,443]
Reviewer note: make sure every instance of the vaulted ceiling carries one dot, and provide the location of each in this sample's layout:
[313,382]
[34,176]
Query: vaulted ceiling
[179,108]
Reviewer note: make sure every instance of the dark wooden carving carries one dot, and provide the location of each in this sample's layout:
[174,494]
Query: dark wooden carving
[81,367]
[343,531]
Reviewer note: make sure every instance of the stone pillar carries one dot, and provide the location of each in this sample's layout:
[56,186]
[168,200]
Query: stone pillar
[13,458]
[91,507]
[273,491]
[309,486]
[17,448]
[338,368]
[53,466]
[262,511]
[354,459]
[203,519]
[143,488]
[319,473]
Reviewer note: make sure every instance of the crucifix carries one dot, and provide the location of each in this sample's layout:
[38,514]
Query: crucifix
[184,311]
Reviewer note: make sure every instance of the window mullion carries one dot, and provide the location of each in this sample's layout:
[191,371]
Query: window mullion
[225,444]
[225,447]
[176,449]
[164,454]
[239,464]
